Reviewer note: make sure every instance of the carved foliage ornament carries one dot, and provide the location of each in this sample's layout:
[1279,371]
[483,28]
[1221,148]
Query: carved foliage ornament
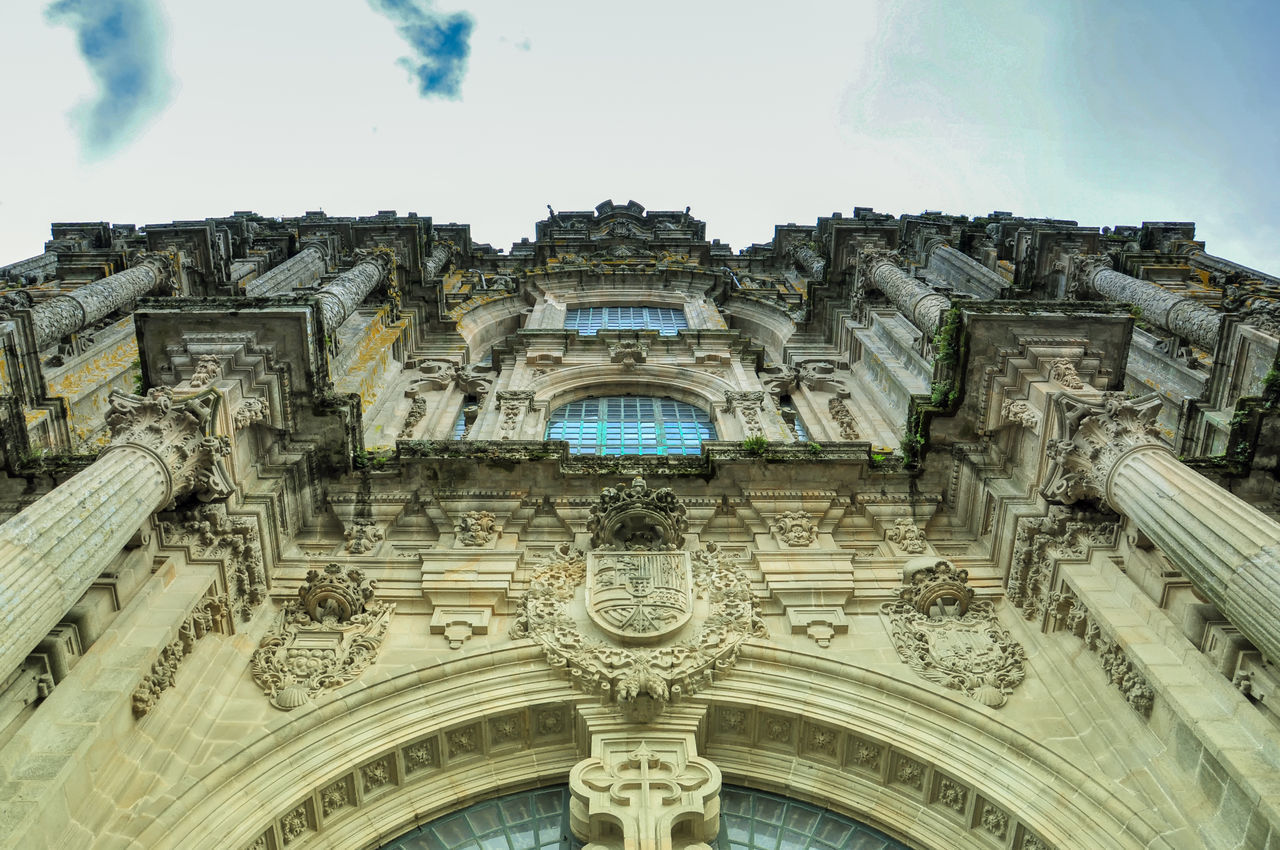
[323,639]
[946,637]
[795,528]
[907,535]
[476,528]
[210,533]
[176,433]
[1094,436]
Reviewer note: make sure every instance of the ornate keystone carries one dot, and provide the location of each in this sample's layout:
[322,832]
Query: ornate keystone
[1095,435]
[636,517]
[645,788]
[174,434]
[946,637]
[324,638]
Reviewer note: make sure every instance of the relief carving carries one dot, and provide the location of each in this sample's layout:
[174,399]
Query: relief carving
[1040,542]
[324,639]
[795,528]
[1064,372]
[908,536]
[1020,413]
[512,405]
[251,410]
[209,616]
[946,637]
[843,418]
[477,528]
[749,407]
[639,622]
[1094,436]
[210,533]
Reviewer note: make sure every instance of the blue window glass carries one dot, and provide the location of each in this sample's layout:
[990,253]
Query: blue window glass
[631,425]
[792,417]
[667,321]
[460,425]
[539,820]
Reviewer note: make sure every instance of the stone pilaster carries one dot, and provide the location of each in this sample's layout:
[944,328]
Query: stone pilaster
[66,314]
[917,301]
[339,299]
[53,551]
[303,268]
[1227,548]
[1177,314]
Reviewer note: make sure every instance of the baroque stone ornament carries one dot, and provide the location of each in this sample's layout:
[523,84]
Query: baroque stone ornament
[1020,413]
[176,434]
[795,528]
[908,536]
[323,639]
[637,517]
[750,409]
[640,626]
[477,528]
[209,616]
[645,789]
[948,638]
[1094,436]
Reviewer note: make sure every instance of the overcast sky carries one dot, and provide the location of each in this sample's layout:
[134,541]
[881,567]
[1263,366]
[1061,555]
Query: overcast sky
[752,113]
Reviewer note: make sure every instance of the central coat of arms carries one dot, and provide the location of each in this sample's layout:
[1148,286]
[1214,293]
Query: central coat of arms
[642,596]
[639,619]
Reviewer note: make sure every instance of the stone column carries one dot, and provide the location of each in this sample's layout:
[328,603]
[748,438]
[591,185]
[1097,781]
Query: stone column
[962,271]
[917,301]
[1230,551]
[1177,314]
[1208,262]
[440,254]
[339,299]
[41,266]
[52,552]
[302,269]
[65,314]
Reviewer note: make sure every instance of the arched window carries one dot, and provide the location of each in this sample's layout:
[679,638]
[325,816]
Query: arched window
[631,425]
[667,321]
[539,820]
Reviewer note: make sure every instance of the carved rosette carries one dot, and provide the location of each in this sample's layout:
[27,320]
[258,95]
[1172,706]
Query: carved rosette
[175,433]
[324,639]
[948,638]
[1094,436]
[641,680]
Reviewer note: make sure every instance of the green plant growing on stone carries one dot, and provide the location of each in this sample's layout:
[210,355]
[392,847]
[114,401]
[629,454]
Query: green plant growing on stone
[815,449]
[755,445]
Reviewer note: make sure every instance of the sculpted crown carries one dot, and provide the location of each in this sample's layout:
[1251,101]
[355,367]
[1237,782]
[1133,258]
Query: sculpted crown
[637,517]
[335,596]
[941,584]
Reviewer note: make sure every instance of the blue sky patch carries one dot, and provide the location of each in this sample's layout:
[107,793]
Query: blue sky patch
[440,44]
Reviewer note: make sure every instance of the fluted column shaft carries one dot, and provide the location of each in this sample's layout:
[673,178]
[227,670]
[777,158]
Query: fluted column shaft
[1178,314]
[302,269]
[917,301]
[1227,548]
[340,298]
[52,552]
[965,273]
[65,314]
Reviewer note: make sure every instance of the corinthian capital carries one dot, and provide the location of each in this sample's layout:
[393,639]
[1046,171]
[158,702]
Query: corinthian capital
[1081,268]
[1094,436]
[175,433]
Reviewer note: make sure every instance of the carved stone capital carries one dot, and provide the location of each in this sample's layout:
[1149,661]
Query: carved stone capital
[1081,268]
[176,434]
[1094,436]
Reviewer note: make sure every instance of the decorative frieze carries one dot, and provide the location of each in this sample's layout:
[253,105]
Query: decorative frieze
[948,638]
[843,417]
[323,639]
[1068,612]
[209,615]
[749,406]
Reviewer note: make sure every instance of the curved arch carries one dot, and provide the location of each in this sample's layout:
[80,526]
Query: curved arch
[291,764]
[767,324]
[577,382]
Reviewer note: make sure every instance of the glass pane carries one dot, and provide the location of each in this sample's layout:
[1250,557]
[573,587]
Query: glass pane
[667,321]
[626,425]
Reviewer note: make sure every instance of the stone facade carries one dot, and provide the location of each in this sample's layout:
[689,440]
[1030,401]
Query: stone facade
[320,528]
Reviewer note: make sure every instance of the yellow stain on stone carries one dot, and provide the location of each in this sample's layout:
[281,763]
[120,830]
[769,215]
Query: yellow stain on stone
[373,356]
[92,374]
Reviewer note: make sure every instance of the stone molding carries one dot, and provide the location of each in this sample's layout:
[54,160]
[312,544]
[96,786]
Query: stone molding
[1041,542]
[210,615]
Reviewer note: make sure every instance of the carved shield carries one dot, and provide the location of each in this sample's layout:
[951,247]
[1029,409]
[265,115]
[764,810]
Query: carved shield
[639,597]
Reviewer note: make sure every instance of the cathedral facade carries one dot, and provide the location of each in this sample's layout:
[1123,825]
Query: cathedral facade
[922,531]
